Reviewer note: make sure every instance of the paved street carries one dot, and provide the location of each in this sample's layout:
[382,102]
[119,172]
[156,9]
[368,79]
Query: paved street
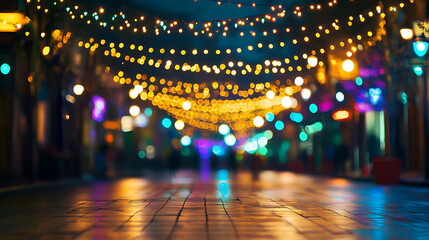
[218,206]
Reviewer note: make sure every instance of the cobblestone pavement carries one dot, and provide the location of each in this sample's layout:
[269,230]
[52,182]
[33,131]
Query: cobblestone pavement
[218,206]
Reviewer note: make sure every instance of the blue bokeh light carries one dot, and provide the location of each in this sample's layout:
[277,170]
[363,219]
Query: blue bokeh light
[420,48]
[303,136]
[142,154]
[166,123]
[5,68]
[279,125]
[186,141]
[218,151]
[313,108]
[269,117]
[359,81]
[418,70]
[296,117]
[148,112]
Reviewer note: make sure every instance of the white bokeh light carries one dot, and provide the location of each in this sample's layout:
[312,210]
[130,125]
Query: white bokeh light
[305,93]
[286,102]
[270,94]
[299,81]
[258,121]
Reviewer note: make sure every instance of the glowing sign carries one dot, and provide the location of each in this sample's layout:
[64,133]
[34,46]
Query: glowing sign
[11,22]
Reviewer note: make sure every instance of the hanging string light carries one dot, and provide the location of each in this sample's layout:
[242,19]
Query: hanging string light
[221,27]
[200,105]
[193,90]
[243,70]
[163,25]
[239,4]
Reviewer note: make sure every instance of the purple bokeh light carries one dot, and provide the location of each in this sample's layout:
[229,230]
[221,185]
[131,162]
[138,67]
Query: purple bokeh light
[99,107]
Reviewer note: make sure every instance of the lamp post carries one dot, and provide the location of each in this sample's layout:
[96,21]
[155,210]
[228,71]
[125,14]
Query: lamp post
[420,49]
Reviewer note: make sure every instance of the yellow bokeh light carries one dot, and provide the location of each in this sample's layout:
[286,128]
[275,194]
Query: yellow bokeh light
[179,125]
[46,50]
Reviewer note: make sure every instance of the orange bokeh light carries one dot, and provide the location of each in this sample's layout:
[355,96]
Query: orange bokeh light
[341,115]
[109,138]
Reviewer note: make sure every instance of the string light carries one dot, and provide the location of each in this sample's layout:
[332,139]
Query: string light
[163,23]
[180,88]
[208,69]
[200,108]
[273,7]
[278,9]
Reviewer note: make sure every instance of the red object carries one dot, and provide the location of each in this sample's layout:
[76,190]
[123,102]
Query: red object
[295,166]
[365,171]
[328,167]
[387,170]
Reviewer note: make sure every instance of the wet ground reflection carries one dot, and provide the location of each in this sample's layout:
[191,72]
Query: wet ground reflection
[223,204]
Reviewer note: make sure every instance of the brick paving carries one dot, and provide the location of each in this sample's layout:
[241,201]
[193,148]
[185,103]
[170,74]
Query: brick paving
[223,206]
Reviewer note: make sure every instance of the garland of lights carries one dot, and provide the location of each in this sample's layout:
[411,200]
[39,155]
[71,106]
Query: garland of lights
[195,67]
[119,77]
[95,15]
[144,91]
[191,26]
[237,126]
[235,113]
[204,113]
[239,4]
[297,10]
[207,26]
[228,51]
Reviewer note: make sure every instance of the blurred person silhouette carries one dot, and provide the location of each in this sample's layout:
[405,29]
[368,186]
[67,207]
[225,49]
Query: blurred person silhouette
[195,159]
[174,160]
[232,161]
[373,146]
[214,162]
[328,165]
[100,160]
[257,166]
[303,156]
[341,154]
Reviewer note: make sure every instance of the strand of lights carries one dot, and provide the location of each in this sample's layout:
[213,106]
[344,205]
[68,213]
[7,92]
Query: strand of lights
[243,68]
[239,4]
[146,91]
[274,8]
[195,52]
[73,11]
[195,67]
[229,71]
[218,111]
[221,24]
[93,46]
[306,39]
[128,23]
[220,107]
[238,127]
[226,113]
[236,112]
